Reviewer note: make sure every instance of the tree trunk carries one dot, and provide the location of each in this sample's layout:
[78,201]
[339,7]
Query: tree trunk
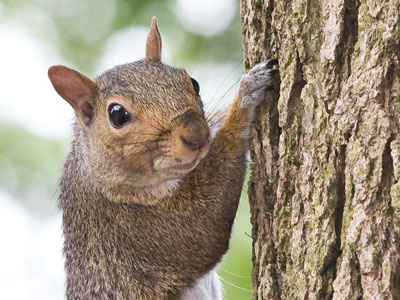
[325,184]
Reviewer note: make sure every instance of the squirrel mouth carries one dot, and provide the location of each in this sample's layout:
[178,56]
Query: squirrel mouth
[186,166]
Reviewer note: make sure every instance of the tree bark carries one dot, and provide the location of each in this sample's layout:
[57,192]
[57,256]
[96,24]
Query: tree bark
[325,184]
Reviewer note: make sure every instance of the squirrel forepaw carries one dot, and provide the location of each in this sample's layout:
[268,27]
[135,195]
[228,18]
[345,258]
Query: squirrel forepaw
[254,84]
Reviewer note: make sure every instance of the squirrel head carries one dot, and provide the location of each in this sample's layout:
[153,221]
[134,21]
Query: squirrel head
[140,125]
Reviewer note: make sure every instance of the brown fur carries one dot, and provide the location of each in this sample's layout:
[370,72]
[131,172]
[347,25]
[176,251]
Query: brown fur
[123,239]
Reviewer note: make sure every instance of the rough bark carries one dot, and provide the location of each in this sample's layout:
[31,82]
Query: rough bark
[325,188]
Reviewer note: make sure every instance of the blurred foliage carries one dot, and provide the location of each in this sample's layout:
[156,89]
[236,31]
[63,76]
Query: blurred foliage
[30,167]
[79,31]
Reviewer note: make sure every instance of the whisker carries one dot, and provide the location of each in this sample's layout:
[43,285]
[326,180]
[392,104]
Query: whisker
[141,143]
[226,77]
[212,105]
[139,152]
[161,130]
[147,142]
[229,89]
[147,133]
[162,159]
[236,286]
[233,274]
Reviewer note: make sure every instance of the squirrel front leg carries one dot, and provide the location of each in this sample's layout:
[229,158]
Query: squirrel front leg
[220,175]
[227,158]
[229,147]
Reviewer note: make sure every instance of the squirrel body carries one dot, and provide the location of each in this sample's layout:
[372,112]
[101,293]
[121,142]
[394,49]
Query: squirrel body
[148,197]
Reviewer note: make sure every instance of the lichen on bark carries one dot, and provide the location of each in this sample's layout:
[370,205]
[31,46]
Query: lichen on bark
[325,188]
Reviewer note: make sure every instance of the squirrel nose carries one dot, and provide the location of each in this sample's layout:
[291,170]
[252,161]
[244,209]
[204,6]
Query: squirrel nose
[195,132]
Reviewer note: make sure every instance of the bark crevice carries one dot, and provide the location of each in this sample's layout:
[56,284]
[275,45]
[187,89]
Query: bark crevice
[268,28]
[294,106]
[341,200]
[387,178]
[349,38]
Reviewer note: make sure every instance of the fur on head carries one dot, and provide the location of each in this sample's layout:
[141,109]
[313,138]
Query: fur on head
[141,126]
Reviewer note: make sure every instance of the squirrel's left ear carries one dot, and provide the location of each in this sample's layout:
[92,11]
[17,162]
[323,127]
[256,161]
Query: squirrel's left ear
[77,89]
[154,43]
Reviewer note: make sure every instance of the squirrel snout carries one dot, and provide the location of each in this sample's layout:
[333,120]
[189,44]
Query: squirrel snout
[194,132]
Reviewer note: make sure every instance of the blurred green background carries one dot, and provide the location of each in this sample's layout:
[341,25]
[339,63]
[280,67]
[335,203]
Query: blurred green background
[204,37]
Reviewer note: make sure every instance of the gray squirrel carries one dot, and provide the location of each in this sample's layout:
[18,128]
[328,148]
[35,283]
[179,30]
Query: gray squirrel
[148,195]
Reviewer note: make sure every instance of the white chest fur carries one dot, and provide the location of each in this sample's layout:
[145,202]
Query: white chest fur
[207,287]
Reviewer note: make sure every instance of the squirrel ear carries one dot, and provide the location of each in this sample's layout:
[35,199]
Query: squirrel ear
[77,89]
[154,43]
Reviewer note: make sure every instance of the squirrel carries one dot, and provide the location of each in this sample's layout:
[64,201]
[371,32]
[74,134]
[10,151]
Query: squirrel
[148,196]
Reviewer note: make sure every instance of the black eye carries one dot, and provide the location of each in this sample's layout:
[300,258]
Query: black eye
[118,115]
[196,85]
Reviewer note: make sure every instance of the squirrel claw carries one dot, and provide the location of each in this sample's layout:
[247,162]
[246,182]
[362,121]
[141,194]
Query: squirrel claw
[273,71]
[271,62]
[256,82]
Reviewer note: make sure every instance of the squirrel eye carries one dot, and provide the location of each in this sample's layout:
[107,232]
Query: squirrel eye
[118,115]
[196,85]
